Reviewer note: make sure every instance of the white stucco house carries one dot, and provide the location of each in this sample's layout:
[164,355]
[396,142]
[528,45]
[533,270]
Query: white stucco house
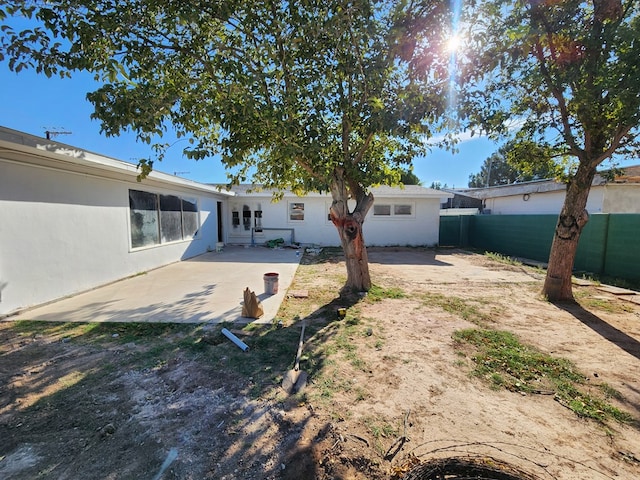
[620,195]
[400,216]
[72,220]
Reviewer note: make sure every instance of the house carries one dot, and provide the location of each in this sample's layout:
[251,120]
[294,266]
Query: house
[400,216]
[620,195]
[72,220]
[460,204]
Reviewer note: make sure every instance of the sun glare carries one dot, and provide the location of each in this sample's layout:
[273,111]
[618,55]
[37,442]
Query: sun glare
[453,43]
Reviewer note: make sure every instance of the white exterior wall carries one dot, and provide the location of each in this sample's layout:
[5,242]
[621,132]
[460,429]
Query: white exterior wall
[621,198]
[63,232]
[315,229]
[420,228]
[541,203]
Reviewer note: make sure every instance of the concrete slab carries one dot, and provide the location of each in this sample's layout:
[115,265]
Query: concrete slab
[616,290]
[632,298]
[581,282]
[207,288]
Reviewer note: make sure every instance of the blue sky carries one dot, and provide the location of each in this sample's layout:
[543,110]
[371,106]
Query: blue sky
[33,103]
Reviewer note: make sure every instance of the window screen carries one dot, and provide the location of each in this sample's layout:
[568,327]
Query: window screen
[143,211]
[170,218]
[402,210]
[296,211]
[382,210]
[157,219]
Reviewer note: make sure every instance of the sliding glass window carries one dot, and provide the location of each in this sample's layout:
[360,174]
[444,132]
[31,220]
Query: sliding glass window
[157,219]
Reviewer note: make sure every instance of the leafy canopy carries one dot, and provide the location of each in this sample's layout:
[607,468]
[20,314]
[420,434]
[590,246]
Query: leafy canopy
[565,76]
[290,91]
[515,162]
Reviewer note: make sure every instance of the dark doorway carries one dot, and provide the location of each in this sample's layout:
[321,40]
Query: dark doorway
[219,211]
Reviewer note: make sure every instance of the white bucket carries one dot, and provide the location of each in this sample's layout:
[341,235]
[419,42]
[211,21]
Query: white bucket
[271,283]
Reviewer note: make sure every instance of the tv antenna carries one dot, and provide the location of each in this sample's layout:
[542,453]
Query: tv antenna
[180,173]
[55,132]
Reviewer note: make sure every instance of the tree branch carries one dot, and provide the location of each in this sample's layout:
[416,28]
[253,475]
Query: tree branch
[558,95]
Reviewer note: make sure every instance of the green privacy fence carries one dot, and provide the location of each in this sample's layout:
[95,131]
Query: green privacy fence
[609,244]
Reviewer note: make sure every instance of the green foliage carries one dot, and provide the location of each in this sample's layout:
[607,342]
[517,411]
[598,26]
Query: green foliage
[515,162]
[563,75]
[502,258]
[292,92]
[465,308]
[377,293]
[407,177]
[507,363]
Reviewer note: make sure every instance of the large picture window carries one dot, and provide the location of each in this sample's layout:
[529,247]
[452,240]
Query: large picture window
[157,219]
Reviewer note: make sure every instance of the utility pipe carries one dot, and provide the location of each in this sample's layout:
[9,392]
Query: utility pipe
[243,346]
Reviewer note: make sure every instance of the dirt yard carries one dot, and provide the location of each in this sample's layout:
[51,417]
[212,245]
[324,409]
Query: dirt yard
[389,387]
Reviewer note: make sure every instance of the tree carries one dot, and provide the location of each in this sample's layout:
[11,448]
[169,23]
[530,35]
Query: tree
[407,177]
[310,95]
[513,162]
[568,73]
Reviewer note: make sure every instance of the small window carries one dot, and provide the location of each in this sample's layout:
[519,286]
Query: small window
[382,210]
[235,219]
[296,211]
[402,210]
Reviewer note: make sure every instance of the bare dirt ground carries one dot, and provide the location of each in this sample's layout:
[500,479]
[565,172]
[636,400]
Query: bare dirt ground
[388,386]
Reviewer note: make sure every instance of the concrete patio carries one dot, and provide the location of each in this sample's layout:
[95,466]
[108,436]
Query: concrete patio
[204,289]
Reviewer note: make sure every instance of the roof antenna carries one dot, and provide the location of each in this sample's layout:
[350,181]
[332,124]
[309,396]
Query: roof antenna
[54,132]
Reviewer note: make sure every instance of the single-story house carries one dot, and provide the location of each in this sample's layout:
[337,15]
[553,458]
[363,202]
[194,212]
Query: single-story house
[620,195]
[400,216]
[72,220]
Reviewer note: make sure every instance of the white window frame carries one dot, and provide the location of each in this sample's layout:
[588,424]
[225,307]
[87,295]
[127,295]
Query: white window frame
[300,206]
[394,209]
[159,237]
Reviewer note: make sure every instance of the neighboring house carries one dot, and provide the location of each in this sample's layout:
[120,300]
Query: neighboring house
[399,216]
[460,204]
[71,220]
[620,195]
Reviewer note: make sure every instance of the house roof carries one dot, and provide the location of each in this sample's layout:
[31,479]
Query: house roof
[24,148]
[536,186]
[383,191]
[630,175]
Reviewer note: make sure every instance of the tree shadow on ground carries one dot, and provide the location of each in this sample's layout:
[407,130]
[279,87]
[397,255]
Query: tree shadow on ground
[604,329]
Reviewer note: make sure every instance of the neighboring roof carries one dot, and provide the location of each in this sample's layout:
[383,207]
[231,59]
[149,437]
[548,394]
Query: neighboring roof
[631,175]
[406,191]
[536,186]
[25,148]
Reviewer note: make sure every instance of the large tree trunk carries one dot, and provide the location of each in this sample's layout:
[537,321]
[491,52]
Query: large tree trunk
[349,226]
[572,219]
